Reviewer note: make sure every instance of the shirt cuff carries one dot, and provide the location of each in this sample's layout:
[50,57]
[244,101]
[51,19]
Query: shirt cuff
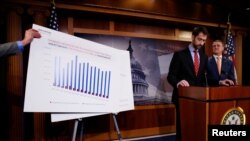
[20,45]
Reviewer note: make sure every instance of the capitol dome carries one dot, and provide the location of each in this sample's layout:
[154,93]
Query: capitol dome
[140,85]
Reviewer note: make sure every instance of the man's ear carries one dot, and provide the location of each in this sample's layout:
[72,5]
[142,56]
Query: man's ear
[192,37]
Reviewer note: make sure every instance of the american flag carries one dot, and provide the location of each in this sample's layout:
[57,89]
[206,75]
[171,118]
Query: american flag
[230,52]
[230,49]
[53,24]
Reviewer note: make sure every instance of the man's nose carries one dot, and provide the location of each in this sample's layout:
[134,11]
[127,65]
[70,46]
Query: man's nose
[202,43]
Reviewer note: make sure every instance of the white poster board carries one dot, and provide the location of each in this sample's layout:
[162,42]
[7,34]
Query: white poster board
[125,101]
[67,74]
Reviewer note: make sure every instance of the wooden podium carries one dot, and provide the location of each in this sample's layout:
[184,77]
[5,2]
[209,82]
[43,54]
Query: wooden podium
[203,106]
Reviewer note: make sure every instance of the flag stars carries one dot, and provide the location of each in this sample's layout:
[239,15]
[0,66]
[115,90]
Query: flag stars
[229,50]
[53,24]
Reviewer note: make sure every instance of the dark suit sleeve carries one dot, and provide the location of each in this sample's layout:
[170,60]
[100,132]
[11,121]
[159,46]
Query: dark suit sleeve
[231,75]
[212,72]
[228,73]
[8,49]
[173,70]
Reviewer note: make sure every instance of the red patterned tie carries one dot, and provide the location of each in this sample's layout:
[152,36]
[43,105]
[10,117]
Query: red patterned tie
[196,62]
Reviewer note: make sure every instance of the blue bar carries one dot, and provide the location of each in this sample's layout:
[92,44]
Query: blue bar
[97,88]
[87,75]
[93,92]
[104,93]
[100,94]
[79,76]
[83,67]
[108,84]
[63,78]
[90,79]
[59,73]
[75,74]
[55,73]
[71,75]
[67,78]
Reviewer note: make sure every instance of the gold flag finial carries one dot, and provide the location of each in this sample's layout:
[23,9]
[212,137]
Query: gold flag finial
[53,2]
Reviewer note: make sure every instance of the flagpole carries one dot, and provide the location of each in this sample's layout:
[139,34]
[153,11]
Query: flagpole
[227,36]
[228,26]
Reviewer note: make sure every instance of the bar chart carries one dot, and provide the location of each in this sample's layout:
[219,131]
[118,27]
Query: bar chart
[81,76]
[69,74]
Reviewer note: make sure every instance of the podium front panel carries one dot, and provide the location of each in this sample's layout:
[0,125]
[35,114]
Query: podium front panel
[203,106]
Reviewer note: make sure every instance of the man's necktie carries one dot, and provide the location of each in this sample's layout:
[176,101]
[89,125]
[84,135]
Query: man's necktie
[196,62]
[219,64]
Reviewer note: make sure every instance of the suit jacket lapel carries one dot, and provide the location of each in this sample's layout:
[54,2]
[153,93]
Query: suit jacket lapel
[190,62]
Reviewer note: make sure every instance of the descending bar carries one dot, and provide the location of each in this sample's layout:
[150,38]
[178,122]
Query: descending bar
[79,77]
[83,74]
[75,74]
[90,80]
[97,88]
[108,84]
[54,84]
[67,77]
[71,76]
[87,77]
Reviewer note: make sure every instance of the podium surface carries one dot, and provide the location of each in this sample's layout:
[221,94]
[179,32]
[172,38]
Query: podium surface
[203,106]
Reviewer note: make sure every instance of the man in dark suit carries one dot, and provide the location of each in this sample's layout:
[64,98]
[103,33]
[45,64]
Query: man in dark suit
[220,70]
[16,47]
[187,68]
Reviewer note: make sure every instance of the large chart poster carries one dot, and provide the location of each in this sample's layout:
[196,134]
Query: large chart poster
[125,95]
[67,74]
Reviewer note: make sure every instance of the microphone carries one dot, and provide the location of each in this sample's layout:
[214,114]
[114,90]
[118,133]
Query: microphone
[206,79]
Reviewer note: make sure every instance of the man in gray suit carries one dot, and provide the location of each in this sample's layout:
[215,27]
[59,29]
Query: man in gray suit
[17,47]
